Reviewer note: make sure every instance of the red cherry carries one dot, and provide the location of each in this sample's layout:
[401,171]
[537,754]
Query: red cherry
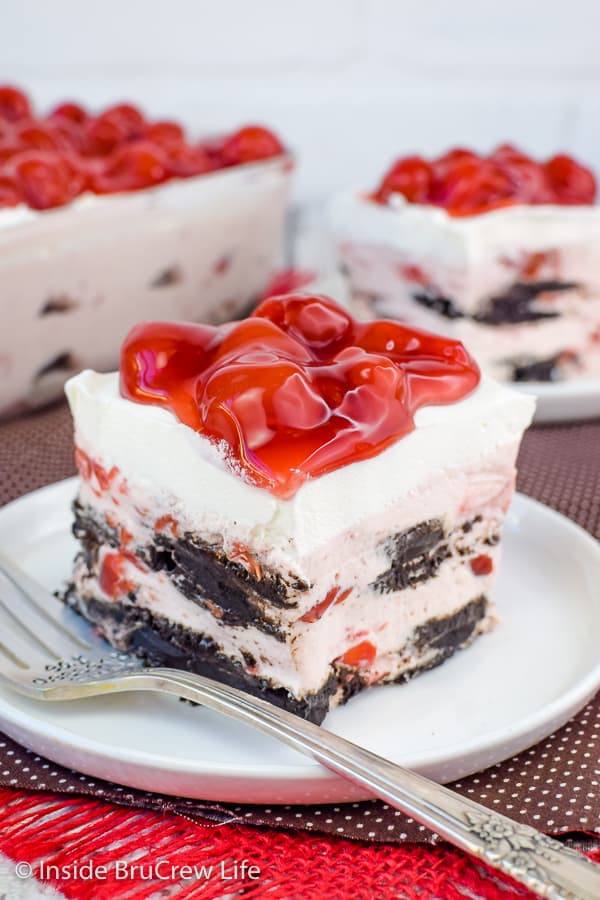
[411,177]
[165,134]
[115,126]
[71,134]
[482,565]
[39,136]
[212,147]
[250,144]
[529,179]
[363,654]
[130,168]
[79,173]
[458,176]
[14,104]
[68,120]
[257,334]
[9,194]
[269,392]
[373,384]
[8,149]
[313,320]
[184,161]
[72,112]
[297,403]
[41,178]
[444,164]
[473,187]
[112,578]
[510,153]
[571,182]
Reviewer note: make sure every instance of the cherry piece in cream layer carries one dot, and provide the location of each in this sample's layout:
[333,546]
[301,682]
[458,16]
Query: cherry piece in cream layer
[297,390]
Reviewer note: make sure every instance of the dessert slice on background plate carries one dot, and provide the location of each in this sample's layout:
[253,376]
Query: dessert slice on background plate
[111,217]
[500,252]
[298,503]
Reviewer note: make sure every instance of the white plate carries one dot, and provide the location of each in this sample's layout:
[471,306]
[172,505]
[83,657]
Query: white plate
[563,401]
[509,690]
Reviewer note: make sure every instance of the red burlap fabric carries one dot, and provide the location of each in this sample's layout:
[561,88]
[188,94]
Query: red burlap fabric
[553,786]
[71,832]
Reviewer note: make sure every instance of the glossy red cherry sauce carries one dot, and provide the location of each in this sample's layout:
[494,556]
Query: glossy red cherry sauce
[47,161]
[298,389]
[466,183]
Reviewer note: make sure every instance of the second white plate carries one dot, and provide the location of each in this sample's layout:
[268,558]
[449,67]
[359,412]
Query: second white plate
[509,690]
[564,401]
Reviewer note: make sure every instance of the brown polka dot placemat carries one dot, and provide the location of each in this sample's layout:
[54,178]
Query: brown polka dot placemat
[34,451]
[553,786]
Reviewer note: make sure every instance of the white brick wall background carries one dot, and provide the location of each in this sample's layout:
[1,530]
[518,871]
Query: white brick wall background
[348,83]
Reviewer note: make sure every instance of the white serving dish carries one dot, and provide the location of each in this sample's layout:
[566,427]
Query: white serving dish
[76,278]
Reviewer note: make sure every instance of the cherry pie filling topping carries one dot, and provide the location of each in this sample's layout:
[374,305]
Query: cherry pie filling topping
[298,389]
[466,183]
[46,162]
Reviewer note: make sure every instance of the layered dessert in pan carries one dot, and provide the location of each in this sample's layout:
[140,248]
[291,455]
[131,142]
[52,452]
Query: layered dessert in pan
[110,217]
[298,504]
[500,252]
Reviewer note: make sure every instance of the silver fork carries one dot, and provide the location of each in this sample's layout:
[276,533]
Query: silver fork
[42,657]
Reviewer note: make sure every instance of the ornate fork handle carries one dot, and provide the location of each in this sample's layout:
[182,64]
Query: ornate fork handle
[536,861]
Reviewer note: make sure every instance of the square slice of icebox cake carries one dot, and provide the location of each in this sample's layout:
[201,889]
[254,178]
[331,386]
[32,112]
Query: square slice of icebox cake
[297,504]
[500,252]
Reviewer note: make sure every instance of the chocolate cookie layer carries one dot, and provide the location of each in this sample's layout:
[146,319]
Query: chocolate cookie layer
[516,305]
[162,643]
[415,555]
[199,570]
[537,369]
[439,304]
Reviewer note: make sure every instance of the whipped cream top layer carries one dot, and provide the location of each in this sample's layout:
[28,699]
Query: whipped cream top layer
[423,231]
[188,473]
